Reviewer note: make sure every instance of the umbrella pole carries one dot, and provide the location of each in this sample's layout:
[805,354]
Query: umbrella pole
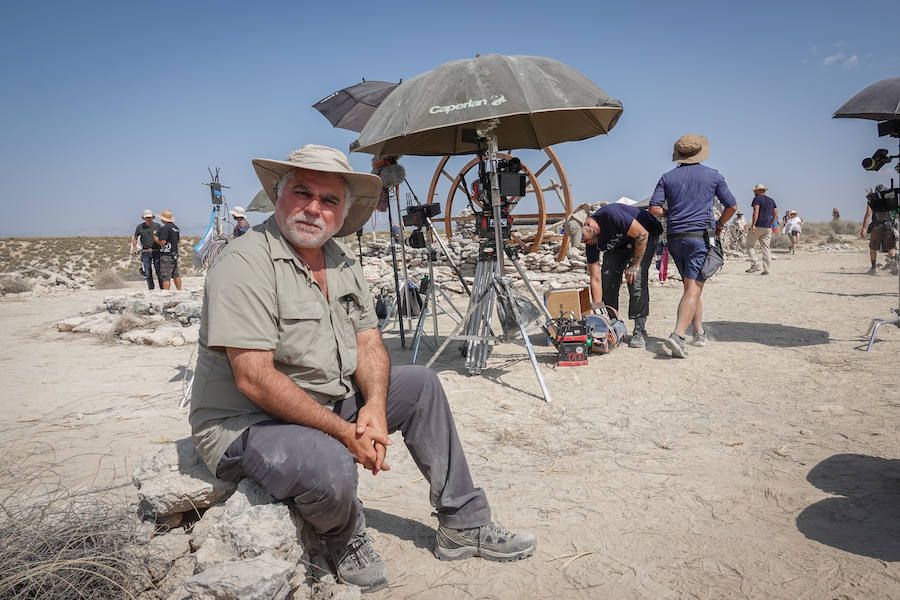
[403,262]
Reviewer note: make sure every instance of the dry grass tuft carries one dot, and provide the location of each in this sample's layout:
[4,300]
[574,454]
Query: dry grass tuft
[55,545]
[108,279]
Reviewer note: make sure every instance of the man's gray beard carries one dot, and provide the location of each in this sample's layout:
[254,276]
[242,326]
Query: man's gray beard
[307,240]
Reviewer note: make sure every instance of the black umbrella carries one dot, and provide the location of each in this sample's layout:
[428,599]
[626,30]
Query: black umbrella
[538,102]
[878,102]
[351,107]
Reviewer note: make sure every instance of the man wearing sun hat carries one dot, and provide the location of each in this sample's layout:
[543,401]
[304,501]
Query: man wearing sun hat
[145,232]
[765,216]
[689,191]
[294,387]
[241,224]
[168,238]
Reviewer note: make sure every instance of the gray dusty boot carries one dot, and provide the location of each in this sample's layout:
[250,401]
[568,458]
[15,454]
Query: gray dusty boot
[491,542]
[358,564]
[638,334]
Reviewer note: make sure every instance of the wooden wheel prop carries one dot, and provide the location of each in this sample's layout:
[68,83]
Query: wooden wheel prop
[558,184]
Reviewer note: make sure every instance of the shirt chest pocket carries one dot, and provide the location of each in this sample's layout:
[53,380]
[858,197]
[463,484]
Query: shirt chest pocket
[303,332]
[350,312]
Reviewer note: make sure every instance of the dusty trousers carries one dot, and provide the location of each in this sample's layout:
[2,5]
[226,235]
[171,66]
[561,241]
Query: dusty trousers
[318,474]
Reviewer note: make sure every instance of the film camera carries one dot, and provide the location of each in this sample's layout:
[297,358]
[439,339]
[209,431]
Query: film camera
[417,215]
[884,200]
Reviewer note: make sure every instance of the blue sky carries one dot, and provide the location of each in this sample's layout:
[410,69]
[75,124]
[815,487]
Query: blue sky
[112,107]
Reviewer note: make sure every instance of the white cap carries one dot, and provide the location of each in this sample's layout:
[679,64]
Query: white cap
[147,213]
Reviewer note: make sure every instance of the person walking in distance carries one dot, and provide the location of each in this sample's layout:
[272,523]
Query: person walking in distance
[765,217]
[168,238]
[690,189]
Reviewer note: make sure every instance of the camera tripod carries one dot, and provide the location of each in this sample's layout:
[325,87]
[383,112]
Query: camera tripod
[491,284]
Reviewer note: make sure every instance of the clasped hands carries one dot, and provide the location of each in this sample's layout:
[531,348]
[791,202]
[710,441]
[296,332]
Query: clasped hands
[368,439]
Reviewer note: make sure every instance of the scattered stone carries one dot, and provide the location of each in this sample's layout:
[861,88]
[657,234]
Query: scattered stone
[175,480]
[261,578]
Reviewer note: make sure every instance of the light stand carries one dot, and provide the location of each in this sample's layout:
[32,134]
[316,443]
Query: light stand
[490,281]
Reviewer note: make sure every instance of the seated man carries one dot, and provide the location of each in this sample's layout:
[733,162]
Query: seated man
[293,384]
[623,234]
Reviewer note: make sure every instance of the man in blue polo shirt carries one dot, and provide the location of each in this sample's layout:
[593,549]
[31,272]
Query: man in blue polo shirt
[765,216]
[627,236]
[689,189]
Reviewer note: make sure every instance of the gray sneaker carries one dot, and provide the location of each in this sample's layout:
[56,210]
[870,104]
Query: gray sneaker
[700,339]
[677,345]
[491,542]
[358,564]
[638,339]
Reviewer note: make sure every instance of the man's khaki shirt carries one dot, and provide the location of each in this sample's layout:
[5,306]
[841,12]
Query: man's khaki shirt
[260,295]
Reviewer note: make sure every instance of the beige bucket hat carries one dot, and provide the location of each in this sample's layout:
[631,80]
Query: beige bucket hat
[365,187]
[166,216]
[760,188]
[238,212]
[690,149]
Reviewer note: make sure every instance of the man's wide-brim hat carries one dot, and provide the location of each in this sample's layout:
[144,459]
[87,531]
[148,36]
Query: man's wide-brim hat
[166,216]
[365,187]
[690,149]
[760,188]
[238,212]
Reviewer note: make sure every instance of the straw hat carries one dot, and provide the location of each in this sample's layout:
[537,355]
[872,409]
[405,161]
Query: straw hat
[365,187]
[760,188]
[238,212]
[690,149]
[166,216]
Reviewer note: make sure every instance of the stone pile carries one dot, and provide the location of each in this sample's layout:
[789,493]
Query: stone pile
[155,318]
[38,281]
[214,539]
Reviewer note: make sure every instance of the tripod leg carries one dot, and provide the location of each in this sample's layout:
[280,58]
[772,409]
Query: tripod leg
[420,325]
[537,371]
[534,294]
[390,313]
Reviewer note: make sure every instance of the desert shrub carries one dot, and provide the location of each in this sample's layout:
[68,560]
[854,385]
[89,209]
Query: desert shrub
[845,227]
[57,545]
[14,285]
[780,241]
[833,238]
[107,279]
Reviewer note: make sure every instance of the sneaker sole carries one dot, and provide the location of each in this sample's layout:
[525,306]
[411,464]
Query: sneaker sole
[372,587]
[468,552]
[677,350]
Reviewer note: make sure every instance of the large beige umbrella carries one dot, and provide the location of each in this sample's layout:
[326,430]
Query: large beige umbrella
[537,101]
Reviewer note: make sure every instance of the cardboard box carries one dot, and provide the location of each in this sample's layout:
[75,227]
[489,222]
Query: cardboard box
[563,300]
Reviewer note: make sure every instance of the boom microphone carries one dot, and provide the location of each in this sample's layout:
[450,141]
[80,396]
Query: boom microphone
[392,174]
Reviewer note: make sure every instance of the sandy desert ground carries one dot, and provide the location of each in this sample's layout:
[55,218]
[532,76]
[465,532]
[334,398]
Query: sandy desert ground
[766,465]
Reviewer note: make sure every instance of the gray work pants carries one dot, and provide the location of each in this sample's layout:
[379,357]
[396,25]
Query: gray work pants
[318,473]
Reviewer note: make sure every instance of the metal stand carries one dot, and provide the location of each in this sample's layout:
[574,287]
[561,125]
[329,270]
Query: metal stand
[490,281]
[876,323]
